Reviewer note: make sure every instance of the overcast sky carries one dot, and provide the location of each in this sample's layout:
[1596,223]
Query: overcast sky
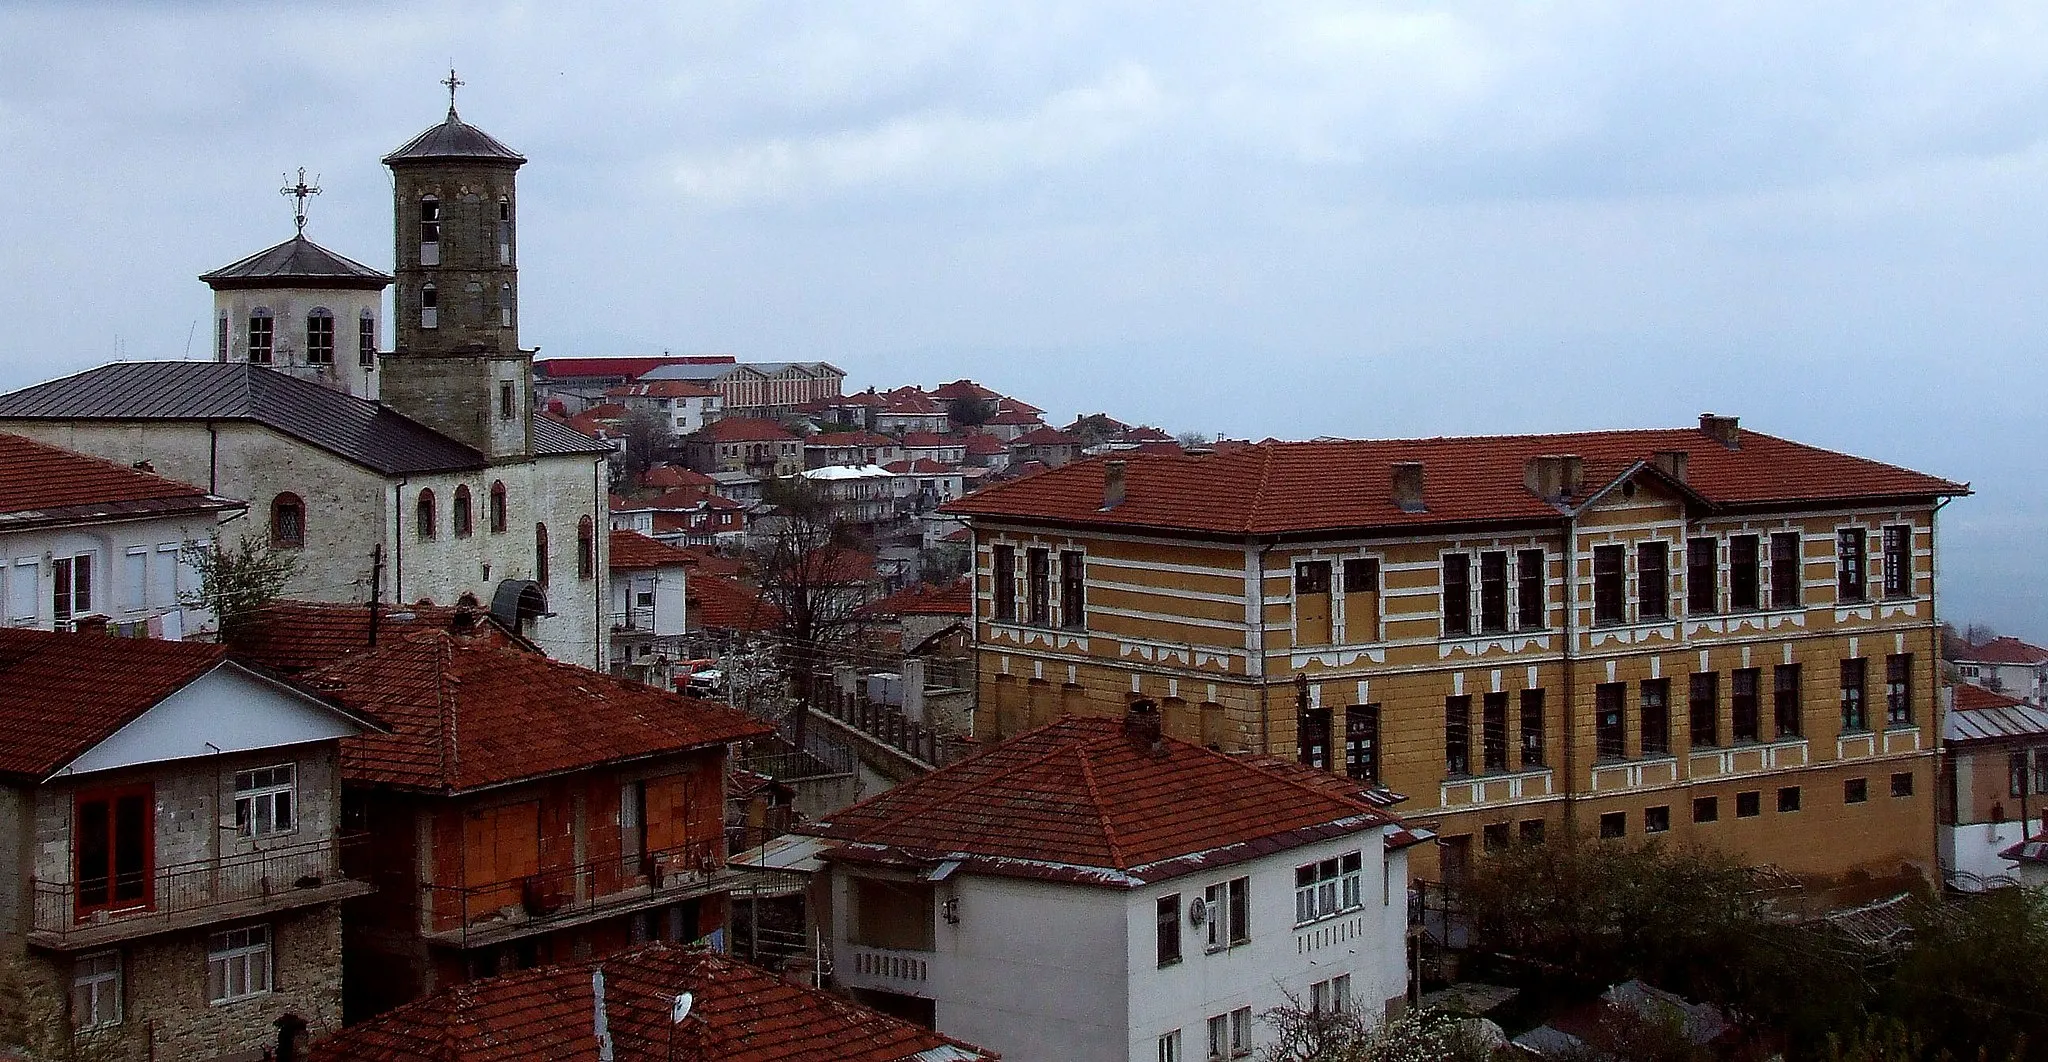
[1264,220]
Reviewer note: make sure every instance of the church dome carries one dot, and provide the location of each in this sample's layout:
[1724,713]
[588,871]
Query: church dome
[296,263]
[453,139]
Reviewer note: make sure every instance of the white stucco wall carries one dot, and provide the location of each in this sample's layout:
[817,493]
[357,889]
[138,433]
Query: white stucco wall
[1973,849]
[119,551]
[289,308]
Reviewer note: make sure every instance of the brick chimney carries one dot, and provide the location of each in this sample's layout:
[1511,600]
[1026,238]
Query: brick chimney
[1723,430]
[1141,725]
[1671,462]
[93,624]
[1113,483]
[1544,476]
[1408,487]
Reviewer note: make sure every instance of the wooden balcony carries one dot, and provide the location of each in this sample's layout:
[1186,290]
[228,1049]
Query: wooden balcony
[557,898]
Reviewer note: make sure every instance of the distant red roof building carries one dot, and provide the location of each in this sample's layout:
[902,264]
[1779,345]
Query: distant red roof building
[724,604]
[912,402]
[661,389]
[953,599]
[2003,650]
[669,477]
[738,1013]
[744,429]
[960,390]
[557,369]
[634,552]
[981,444]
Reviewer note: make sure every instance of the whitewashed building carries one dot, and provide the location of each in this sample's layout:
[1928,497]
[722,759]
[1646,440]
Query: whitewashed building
[82,539]
[649,591]
[1092,890]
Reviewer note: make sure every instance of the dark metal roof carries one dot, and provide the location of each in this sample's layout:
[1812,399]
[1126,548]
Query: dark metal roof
[351,428]
[551,436]
[297,262]
[454,139]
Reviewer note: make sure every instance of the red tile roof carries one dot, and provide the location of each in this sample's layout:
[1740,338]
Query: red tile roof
[724,604]
[630,368]
[1018,405]
[738,1013]
[850,438]
[1970,696]
[290,637]
[61,694]
[710,563]
[953,599]
[926,440]
[1277,487]
[744,429]
[1043,437]
[467,716]
[42,484]
[2004,650]
[912,403]
[668,477]
[1016,416]
[1079,800]
[661,389]
[633,551]
[982,444]
[960,389]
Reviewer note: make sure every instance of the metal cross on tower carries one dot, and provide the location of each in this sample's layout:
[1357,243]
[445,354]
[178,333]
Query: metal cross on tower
[301,192]
[453,83]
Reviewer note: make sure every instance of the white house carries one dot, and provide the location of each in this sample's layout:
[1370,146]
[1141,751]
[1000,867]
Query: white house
[80,537]
[685,404]
[649,585]
[2006,665]
[1092,890]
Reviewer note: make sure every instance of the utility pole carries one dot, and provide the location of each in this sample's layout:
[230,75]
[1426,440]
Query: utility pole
[376,588]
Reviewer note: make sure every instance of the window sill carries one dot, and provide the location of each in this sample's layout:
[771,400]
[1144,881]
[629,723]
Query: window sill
[1352,910]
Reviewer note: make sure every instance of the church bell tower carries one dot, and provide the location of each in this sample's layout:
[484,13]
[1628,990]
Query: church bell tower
[456,365]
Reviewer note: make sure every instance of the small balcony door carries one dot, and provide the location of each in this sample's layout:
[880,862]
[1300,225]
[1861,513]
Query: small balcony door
[113,843]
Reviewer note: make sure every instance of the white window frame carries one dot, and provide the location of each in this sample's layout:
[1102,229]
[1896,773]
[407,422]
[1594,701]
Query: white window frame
[1240,1032]
[1222,933]
[256,800]
[236,961]
[98,988]
[1219,1037]
[135,578]
[24,597]
[1169,1047]
[1334,886]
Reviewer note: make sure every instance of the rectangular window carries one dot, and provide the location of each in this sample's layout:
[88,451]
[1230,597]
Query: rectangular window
[21,591]
[1362,743]
[1457,736]
[1850,567]
[220,339]
[1653,580]
[1038,587]
[238,964]
[1749,805]
[1073,590]
[319,339]
[1902,784]
[1532,729]
[1328,887]
[1855,790]
[1532,831]
[1219,1037]
[1493,732]
[1493,592]
[96,990]
[114,849]
[1614,824]
[898,915]
[1457,579]
[262,339]
[135,579]
[1002,573]
[71,589]
[1655,710]
[1608,742]
[1706,809]
[1785,699]
[1702,594]
[430,232]
[1853,715]
[366,342]
[1788,798]
[1657,819]
[2016,774]
[163,577]
[1227,907]
[1743,708]
[1610,584]
[1169,1047]
[1312,747]
[1529,586]
[1362,599]
[1241,1031]
[1898,689]
[1742,572]
[1703,700]
[1167,911]
[1898,561]
[1493,836]
[508,400]
[1788,570]
[265,799]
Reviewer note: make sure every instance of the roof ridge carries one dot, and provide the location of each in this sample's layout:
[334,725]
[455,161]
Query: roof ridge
[991,750]
[1116,852]
[445,701]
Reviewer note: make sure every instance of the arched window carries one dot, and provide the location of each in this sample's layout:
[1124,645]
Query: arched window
[366,340]
[262,335]
[497,507]
[505,305]
[586,548]
[430,231]
[463,524]
[430,307]
[426,516]
[320,337]
[540,554]
[287,521]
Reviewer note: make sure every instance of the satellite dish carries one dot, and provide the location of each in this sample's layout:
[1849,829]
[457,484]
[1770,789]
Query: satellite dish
[1198,912]
[680,1009]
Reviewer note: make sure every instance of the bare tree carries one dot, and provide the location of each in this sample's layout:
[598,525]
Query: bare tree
[1305,1034]
[806,567]
[650,438]
[236,581]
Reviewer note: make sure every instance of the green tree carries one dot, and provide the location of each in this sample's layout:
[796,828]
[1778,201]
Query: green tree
[1976,977]
[236,581]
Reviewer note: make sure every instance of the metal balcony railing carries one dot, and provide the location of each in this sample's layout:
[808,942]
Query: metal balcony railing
[472,914]
[187,893]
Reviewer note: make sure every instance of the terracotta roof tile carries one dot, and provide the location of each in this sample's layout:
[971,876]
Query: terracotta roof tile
[466,716]
[633,551]
[2005,650]
[738,1013]
[961,389]
[953,599]
[1080,800]
[44,484]
[1277,487]
[668,477]
[721,603]
[743,429]
[290,637]
[912,403]
[661,389]
[61,694]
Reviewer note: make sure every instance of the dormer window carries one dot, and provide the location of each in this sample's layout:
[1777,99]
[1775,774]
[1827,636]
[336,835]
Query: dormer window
[262,336]
[430,231]
[366,340]
[320,337]
[430,307]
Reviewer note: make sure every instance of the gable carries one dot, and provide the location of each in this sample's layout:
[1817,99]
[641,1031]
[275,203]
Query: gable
[1640,498]
[228,709]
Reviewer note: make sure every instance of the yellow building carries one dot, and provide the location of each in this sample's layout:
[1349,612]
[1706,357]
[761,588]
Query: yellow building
[1704,633]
